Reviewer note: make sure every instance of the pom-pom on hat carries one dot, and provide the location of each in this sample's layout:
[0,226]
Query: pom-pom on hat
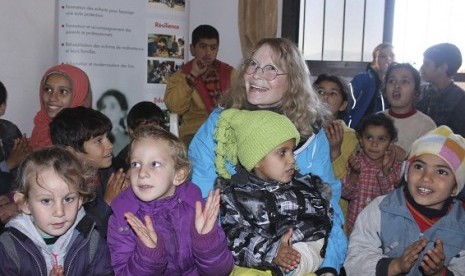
[443,143]
[247,136]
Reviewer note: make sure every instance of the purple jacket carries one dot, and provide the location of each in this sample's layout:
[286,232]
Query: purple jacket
[180,250]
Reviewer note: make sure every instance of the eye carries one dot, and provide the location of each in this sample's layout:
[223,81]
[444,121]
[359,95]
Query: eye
[156,164]
[320,92]
[417,166]
[382,139]
[47,90]
[69,199]
[253,63]
[134,165]
[443,172]
[333,93]
[406,82]
[64,92]
[270,68]
[46,201]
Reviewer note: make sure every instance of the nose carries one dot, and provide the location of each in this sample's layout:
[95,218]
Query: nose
[108,144]
[142,173]
[374,143]
[257,69]
[53,96]
[59,210]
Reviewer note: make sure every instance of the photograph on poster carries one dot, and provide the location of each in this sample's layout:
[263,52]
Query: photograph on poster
[114,105]
[158,71]
[176,5]
[165,46]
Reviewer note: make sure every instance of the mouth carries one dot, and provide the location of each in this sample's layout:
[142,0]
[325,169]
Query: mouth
[424,191]
[257,88]
[58,225]
[396,95]
[109,155]
[144,187]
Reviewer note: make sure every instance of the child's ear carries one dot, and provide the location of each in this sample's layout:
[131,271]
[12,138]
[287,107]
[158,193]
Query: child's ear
[343,106]
[180,176]
[21,202]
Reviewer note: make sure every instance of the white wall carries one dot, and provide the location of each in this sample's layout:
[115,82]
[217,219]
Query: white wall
[27,49]
[29,38]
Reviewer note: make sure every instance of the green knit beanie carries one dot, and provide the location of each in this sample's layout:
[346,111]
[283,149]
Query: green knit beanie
[247,136]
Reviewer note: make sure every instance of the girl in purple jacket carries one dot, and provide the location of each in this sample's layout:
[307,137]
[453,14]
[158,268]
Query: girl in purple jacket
[158,226]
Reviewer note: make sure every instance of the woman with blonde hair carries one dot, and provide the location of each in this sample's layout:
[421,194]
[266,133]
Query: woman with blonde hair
[275,77]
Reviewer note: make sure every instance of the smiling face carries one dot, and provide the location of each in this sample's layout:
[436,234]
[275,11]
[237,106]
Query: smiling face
[431,181]
[375,141]
[260,91]
[57,93]
[400,90]
[52,203]
[330,93]
[98,150]
[279,164]
[152,169]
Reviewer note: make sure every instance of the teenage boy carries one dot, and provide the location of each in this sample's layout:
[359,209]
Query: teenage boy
[86,133]
[195,90]
[441,99]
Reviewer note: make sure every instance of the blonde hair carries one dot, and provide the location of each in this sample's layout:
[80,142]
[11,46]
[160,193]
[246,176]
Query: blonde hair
[177,149]
[300,102]
[67,166]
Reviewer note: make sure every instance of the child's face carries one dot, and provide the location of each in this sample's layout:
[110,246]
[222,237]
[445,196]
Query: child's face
[375,141]
[430,181]
[52,203]
[330,93]
[205,50]
[277,165]
[57,94]
[98,150]
[429,72]
[260,91]
[2,109]
[400,90]
[112,109]
[152,169]
[384,58]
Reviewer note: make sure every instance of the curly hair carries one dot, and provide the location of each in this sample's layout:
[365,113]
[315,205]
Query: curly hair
[67,166]
[300,102]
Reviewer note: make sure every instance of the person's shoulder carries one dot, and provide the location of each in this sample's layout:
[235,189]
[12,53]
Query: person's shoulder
[126,200]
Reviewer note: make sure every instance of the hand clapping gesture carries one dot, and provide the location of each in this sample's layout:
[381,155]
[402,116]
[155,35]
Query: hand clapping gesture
[287,257]
[205,219]
[145,232]
[335,134]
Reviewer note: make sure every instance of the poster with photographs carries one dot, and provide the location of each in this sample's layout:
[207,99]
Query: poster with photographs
[129,49]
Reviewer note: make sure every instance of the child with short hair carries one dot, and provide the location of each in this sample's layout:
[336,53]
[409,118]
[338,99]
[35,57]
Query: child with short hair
[402,88]
[158,225]
[142,113]
[53,235]
[85,132]
[441,98]
[276,219]
[373,171]
[418,228]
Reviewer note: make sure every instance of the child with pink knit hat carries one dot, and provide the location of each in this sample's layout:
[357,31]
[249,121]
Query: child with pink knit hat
[276,220]
[418,228]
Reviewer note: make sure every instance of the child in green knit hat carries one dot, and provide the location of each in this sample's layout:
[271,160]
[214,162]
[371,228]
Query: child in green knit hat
[275,219]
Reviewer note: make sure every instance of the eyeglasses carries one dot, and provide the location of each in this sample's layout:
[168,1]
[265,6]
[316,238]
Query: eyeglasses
[269,71]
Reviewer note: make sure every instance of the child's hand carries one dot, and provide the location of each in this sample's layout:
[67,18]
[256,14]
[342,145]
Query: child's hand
[354,163]
[115,185]
[388,159]
[19,151]
[404,263]
[287,257]
[57,270]
[335,134]
[206,220]
[433,261]
[146,233]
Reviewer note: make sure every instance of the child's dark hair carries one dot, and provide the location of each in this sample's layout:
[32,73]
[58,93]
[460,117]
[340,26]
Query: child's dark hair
[74,126]
[378,119]
[343,87]
[408,66]
[120,98]
[3,93]
[177,148]
[445,53]
[64,164]
[204,31]
[145,113]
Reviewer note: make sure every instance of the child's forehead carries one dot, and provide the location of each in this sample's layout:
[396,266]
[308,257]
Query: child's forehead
[376,130]
[49,181]
[431,159]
